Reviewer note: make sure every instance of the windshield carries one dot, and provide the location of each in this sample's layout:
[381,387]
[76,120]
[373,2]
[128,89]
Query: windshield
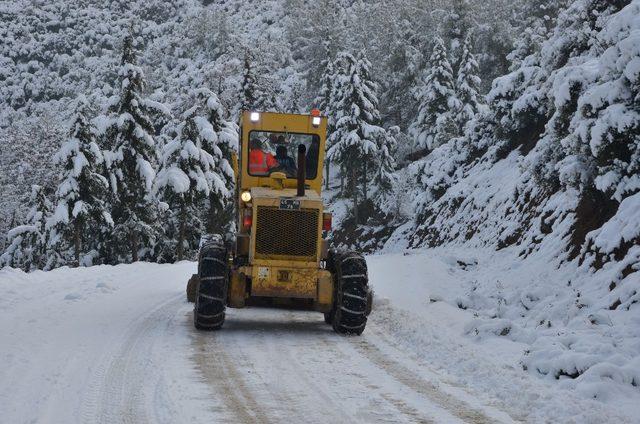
[278,152]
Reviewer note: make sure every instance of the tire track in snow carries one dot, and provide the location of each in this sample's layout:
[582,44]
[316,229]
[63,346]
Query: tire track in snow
[283,405]
[122,392]
[291,365]
[330,343]
[219,371]
[407,377]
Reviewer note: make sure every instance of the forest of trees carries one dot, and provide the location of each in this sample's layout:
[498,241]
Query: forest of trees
[420,95]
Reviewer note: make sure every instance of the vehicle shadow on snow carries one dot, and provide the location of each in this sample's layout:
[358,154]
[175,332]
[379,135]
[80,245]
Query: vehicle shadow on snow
[269,321]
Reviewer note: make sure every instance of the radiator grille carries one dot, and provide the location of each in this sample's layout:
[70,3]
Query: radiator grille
[282,233]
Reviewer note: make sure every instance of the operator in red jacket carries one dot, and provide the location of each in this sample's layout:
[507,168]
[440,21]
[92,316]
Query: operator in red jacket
[260,162]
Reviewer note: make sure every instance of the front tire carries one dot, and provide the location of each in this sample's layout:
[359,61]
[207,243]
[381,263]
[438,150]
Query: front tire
[352,296]
[211,292]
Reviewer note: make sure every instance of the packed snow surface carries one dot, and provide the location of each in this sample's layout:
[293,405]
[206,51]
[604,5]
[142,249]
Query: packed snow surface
[116,344]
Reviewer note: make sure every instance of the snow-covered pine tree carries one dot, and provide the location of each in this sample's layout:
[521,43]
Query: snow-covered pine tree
[456,27]
[294,104]
[354,142]
[467,87]
[222,147]
[403,68]
[250,91]
[536,19]
[28,243]
[435,124]
[187,177]
[131,160]
[316,31]
[323,99]
[385,166]
[323,103]
[81,209]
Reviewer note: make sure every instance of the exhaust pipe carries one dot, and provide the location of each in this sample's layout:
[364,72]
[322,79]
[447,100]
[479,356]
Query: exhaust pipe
[302,157]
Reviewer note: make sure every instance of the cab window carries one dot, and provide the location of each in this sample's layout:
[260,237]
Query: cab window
[278,152]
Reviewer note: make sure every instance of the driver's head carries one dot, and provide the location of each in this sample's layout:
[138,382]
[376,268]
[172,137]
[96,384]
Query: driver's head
[281,151]
[255,143]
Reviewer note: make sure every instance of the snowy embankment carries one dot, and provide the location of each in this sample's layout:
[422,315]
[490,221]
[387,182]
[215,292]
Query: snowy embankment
[527,315]
[111,344]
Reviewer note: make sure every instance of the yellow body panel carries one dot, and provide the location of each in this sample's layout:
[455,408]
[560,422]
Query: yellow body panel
[281,276]
[272,281]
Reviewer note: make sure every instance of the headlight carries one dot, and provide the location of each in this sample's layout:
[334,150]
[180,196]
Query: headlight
[315,121]
[255,117]
[245,196]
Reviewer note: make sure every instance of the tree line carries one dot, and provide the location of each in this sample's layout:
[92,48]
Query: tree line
[135,184]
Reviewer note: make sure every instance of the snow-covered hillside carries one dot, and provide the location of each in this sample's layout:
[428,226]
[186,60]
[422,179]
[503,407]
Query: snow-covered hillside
[110,344]
[548,177]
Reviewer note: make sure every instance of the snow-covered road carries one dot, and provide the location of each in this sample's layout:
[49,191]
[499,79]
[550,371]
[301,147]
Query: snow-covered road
[116,344]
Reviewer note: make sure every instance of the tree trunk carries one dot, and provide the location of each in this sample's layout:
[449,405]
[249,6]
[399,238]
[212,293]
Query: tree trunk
[133,240]
[76,240]
[183,218]
[341,180]
[354,193]
[364,179]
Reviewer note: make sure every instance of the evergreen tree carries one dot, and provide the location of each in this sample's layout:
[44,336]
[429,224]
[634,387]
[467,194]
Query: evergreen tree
[260,90]
[403,68]
[249,89]
[456,28]
[316,33]
[28,243]
[132,158]
[187,177]
[354,142]
[323,99]
[81,210]
[386,163]
[222,147]
[294,104]
[435,123]
[536,19]
[467,87]
[323,103]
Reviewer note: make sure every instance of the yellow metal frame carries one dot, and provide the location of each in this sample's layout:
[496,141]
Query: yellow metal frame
[307,279]
[280,122]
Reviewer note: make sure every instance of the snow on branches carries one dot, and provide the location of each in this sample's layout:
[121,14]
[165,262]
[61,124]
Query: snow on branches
[81,209]
[131,156]
[435,124]
[358,142]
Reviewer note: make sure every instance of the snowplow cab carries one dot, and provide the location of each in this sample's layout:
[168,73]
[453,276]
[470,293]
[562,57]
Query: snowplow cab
[280,256]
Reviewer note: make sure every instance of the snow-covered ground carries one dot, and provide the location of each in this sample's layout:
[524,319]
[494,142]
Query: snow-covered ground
[116,344]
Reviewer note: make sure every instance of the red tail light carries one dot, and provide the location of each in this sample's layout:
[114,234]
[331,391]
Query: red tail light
[326,222]
[247,219]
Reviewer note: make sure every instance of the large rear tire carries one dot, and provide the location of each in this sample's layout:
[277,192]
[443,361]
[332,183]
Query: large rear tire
[352,297]
[211,292]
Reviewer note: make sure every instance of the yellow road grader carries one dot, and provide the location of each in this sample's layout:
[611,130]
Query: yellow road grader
[280,256]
